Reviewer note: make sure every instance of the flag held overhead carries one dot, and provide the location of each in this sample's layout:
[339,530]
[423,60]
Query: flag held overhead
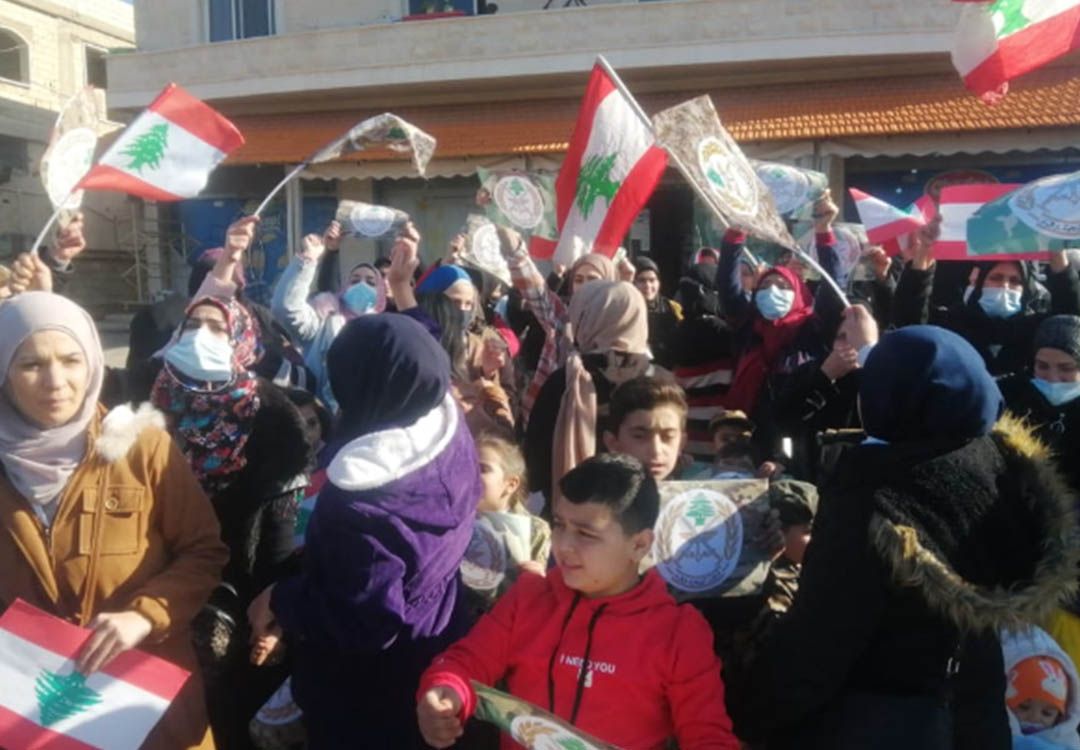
[718,170]
[883,221]
[168,152]
[611,168]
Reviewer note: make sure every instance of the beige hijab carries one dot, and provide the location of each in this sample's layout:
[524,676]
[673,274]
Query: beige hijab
[39,462]
[603,265]
[606,317]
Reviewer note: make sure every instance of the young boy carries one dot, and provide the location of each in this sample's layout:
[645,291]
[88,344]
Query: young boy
[594,642]
[732,432]
[647,420]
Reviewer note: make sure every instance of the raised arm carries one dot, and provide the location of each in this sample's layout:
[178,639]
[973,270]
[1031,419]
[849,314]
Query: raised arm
[290,302]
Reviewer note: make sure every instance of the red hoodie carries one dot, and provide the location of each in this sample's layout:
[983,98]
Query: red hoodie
[653,674]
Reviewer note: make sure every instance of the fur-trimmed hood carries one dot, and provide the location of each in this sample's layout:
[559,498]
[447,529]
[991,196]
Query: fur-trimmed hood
[1028,487]
[121,427]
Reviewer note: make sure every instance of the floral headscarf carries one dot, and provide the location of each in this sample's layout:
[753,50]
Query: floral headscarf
[212,427]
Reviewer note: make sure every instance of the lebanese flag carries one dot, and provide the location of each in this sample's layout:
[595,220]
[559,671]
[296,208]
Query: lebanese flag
[46,705]
[924,211]
[168,152]
[610,170]
[957,204]
[998,41]
[883,222]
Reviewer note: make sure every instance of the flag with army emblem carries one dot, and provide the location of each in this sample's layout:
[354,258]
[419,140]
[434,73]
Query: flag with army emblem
[610,170]
[709,158]
[168,152]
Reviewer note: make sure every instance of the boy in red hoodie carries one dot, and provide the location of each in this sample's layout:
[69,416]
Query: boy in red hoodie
[594,642]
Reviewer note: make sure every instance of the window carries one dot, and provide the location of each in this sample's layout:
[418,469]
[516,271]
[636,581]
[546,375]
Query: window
[14,57]
[416,7]
[240,19]
[95,67]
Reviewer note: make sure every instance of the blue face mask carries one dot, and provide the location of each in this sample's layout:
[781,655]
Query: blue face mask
[1057,393]
[999,302]
[201,356]
[359,299]
[774,302]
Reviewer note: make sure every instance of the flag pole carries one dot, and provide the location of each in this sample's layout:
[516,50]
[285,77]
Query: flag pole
[698,189]
[277,189]
[49,225]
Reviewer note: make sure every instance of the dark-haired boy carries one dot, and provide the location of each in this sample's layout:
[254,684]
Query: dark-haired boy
[594,642]
[647,420]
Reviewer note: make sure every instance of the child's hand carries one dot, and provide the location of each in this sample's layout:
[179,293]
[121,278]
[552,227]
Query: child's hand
[532,566]
[437,713]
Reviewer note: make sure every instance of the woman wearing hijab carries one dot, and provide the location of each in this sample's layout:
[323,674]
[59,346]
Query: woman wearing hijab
[1000,312]
[246,443]
[546,306]
[664,314]
[1047,397]
[784,334]
[378,594]
[104,523]
[315,322]
[609,327]
[945,526]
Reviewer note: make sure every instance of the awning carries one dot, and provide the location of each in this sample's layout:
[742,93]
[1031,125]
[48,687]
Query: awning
[772,118]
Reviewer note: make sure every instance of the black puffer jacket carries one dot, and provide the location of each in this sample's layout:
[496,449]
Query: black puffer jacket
[921,552]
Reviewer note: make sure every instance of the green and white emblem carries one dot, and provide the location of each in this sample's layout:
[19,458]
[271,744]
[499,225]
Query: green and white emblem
[60,697]
[729,177]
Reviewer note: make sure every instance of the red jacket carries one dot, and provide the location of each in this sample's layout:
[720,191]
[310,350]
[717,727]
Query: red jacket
[653,671]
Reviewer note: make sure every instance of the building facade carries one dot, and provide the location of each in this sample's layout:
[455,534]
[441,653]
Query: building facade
[49,50]
[860,89]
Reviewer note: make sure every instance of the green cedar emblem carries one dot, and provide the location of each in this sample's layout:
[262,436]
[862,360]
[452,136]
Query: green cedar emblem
[594,181]
[148,149]
[397,133]
[572,743]
[63,696]
[1012,16]
[700,510]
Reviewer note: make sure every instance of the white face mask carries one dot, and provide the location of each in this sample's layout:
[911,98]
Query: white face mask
[1057,393]
[201,356]
[999,302]
[773,302]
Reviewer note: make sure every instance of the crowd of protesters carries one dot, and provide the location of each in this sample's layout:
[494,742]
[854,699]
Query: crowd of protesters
[282,500]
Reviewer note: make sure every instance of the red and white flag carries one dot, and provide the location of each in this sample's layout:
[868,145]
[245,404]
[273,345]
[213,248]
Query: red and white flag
[957,204]
[610,170]
[1001,40]
[45,704]
[168,152]
[883,221]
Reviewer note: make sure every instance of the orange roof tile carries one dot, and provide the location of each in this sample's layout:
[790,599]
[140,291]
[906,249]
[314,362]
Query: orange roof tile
[880,106]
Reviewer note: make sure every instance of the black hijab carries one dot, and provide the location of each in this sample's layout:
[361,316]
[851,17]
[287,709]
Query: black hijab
[385,371]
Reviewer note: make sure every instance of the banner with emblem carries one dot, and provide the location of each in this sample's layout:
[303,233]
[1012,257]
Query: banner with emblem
[368,220]
[70,153]
[716,167]
[706,537]
[524,201]
[795,190]
[482,250]
[528,725]
[1037,218]
[500,542]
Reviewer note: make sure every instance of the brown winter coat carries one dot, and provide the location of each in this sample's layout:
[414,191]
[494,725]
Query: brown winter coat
[133,531]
